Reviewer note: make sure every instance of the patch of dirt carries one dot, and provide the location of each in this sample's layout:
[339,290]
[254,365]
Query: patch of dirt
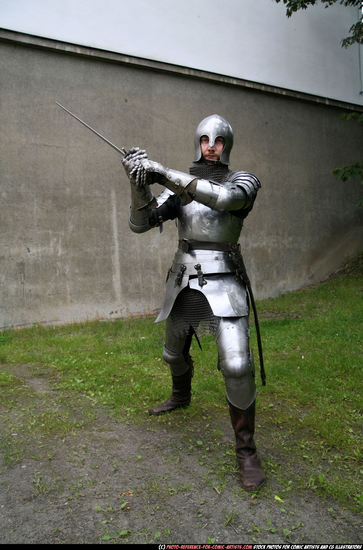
[353,267]
[112,482]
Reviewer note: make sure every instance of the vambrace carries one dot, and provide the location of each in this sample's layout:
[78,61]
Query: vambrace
[238,193]
[218,196]
[175,181]
[215,195]
[142,202]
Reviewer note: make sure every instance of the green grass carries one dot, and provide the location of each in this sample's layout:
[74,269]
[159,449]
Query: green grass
[311,405]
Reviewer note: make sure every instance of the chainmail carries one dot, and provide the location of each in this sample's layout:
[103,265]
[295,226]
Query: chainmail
[191,309]
[205,170]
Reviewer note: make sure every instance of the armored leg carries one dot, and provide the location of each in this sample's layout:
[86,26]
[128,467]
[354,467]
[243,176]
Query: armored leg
[176,354]
[236,364]
[236,361]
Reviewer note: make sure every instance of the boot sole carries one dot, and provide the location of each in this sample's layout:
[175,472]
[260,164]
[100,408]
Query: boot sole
[152,412]
[250,489]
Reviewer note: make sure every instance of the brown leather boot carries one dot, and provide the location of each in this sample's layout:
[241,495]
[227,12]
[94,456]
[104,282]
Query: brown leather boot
[251,472]
[180,396]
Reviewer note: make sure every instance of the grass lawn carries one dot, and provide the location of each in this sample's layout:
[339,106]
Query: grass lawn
[311,405]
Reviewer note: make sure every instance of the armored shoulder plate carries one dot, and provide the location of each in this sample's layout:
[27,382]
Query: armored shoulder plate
[248,183]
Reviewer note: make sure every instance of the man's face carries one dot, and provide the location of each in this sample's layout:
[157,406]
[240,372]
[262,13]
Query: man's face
[211,152]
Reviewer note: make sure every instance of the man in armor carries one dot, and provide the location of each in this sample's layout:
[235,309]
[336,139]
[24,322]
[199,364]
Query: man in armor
[206,288]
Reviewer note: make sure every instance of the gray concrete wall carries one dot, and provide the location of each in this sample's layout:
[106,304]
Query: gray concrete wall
[66,251]
[302,52]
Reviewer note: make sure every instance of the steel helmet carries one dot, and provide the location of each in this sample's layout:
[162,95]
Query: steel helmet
[214,126]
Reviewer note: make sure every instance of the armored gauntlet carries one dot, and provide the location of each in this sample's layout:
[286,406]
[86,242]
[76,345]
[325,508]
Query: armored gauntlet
[175,181]
[133,168]
[142,199]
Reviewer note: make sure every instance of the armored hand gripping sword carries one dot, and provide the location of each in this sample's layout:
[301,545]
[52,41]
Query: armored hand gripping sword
[118,149]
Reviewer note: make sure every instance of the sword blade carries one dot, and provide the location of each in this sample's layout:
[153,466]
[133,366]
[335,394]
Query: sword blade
[120,150]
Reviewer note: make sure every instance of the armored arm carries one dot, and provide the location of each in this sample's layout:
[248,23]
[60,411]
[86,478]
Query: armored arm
[142,199]
[237,193]
[142,203]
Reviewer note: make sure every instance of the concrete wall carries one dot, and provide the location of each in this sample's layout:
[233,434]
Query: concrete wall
[66,251]
[249,39]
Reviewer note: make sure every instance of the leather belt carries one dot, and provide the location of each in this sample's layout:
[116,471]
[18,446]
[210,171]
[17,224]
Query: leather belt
[187,244]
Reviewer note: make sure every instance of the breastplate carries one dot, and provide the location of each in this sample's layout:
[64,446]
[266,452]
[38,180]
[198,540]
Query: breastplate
[226,295]
[201,223]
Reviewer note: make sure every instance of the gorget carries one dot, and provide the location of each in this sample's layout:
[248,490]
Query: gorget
[215,171]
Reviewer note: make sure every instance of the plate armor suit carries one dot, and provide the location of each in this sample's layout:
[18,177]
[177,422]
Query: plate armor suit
[204,290]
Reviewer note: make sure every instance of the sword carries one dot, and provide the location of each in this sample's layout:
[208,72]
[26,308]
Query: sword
[242,273]
[118,149]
